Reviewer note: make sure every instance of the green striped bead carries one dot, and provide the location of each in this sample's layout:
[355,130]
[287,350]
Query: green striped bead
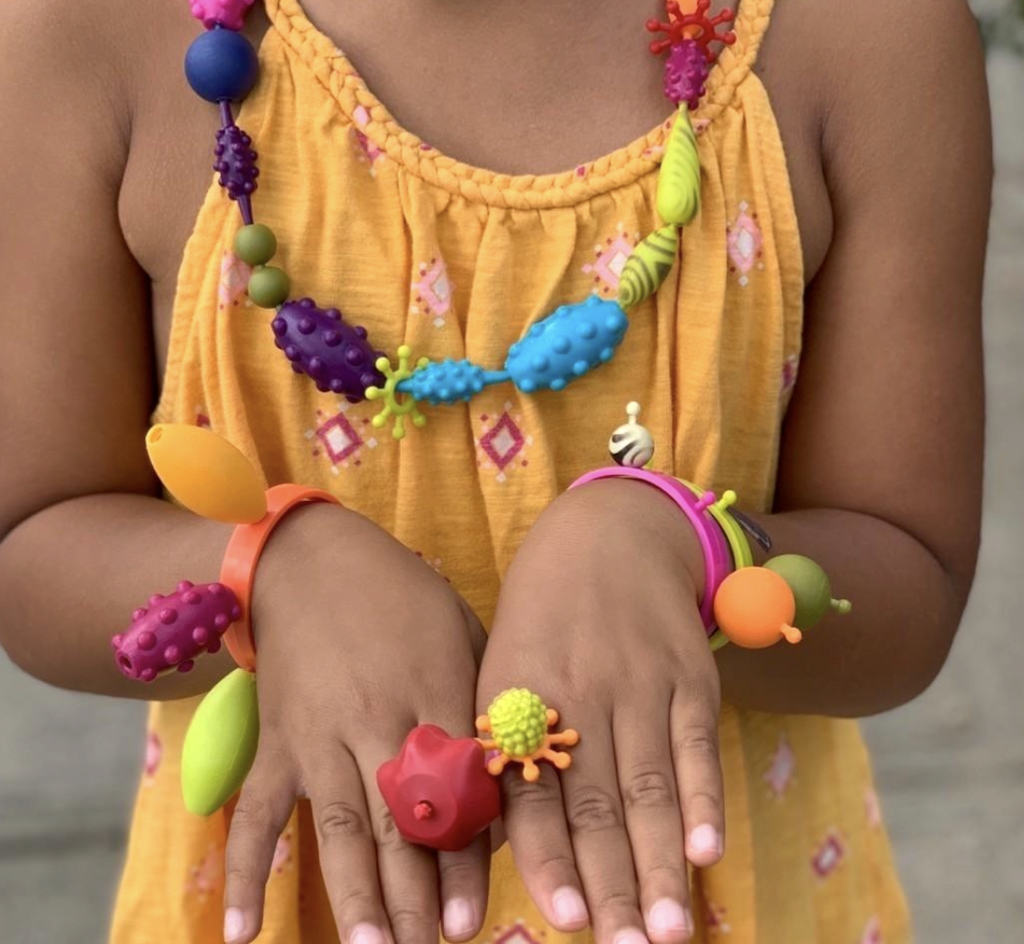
[678,198]
[648,266]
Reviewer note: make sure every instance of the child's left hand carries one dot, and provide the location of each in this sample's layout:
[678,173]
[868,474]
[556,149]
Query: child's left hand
[599,615]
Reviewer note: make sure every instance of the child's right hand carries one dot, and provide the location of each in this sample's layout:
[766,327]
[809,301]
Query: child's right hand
[358,641]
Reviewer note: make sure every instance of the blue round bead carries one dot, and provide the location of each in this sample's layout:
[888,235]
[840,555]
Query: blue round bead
[221,65]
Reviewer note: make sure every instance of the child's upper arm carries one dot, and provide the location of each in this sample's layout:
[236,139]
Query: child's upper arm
[888,417]
[75,358]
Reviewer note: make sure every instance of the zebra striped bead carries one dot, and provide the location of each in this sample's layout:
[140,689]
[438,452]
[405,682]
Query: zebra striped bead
[648,266]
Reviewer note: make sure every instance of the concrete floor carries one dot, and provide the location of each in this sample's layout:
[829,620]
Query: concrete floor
[950,766]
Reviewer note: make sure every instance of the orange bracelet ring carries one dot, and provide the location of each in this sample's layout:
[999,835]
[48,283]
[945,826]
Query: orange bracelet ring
[243,553]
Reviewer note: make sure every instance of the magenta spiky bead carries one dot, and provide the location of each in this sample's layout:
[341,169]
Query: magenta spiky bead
[686,71]
[175,629]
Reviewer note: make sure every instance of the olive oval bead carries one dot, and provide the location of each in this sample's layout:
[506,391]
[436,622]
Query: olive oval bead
[255,244]
[268,287]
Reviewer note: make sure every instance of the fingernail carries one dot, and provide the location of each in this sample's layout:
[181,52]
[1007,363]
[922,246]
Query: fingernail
[668,917]
[569,906]
[706,839]
[234,924]
[459,918]
[367,934]
[630,936]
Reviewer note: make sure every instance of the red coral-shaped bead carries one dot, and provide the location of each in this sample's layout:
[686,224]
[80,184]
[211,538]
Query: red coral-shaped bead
[697,26]
[174,629]
[438,789]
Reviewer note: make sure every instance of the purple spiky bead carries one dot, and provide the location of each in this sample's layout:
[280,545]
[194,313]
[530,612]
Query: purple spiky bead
[686,71]
[320,344]
[236,164]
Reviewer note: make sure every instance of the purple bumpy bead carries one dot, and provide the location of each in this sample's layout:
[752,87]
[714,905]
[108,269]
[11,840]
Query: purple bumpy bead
[336,356]
[236,162]
[686,70]
[175,629]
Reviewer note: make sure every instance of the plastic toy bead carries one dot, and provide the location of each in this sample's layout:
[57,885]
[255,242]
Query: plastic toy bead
[229,13]
[269,287]
[811,589]
[648,266]
[221,66]
[220,744]
[397,407]
[755,608]
[567,344]
[255,244]
[519,724]
[686,71]
[174,630]
[678,197]
[236,163]
[696,26]
[632,445]
[449,381]
[325,347]
[206,473]
[438,789]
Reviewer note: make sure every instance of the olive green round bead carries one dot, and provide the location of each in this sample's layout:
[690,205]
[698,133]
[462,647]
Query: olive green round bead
[255,244]
[268,287]
[810,585]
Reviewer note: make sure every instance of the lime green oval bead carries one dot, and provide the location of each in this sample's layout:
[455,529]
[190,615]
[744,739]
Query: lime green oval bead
[255,244]
[268,287]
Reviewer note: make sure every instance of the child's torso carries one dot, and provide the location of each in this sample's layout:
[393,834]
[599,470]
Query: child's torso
[506,114]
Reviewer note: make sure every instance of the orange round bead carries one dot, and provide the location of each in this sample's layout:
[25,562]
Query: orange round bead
[755,608]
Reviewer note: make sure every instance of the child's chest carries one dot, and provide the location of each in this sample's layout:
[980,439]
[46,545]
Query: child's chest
[530,88]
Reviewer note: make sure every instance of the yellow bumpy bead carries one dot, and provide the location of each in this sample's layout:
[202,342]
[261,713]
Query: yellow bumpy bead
[206,473]
[518,722]
[648,266]
[678,197]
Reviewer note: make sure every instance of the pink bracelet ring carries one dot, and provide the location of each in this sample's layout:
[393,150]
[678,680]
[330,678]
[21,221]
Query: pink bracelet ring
[717,557]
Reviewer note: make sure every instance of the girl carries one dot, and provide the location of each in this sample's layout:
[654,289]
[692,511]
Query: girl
[845,184]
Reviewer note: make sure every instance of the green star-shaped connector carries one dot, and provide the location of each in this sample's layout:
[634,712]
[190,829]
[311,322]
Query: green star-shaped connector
[396,405]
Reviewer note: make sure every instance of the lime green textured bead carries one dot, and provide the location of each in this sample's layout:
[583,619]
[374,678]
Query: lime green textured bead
[255,244]
[268,287]
[519,722]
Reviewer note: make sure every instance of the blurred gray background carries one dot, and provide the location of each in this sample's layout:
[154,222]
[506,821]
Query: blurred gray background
[950,766]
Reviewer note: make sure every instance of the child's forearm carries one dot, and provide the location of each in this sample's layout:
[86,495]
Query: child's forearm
[906,609]
[71,575]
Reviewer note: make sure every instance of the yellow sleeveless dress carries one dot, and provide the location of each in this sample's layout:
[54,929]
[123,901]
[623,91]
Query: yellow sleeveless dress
[457,261]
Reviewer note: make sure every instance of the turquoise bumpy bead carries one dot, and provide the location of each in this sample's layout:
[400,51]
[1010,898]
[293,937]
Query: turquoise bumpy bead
[565,345]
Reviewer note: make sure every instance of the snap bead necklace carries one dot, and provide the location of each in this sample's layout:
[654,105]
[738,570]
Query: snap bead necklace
[222,67]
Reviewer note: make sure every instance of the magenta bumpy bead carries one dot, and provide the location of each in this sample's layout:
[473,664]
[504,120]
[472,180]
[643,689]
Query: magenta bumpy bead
[174,629]
[324,347]
[686,71]
[229,13]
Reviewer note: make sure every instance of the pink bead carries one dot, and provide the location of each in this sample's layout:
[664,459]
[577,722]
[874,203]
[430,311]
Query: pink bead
[229,13]
[155,599]
[175,634]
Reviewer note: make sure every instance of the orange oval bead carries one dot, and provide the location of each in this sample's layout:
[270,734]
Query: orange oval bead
[755,608]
